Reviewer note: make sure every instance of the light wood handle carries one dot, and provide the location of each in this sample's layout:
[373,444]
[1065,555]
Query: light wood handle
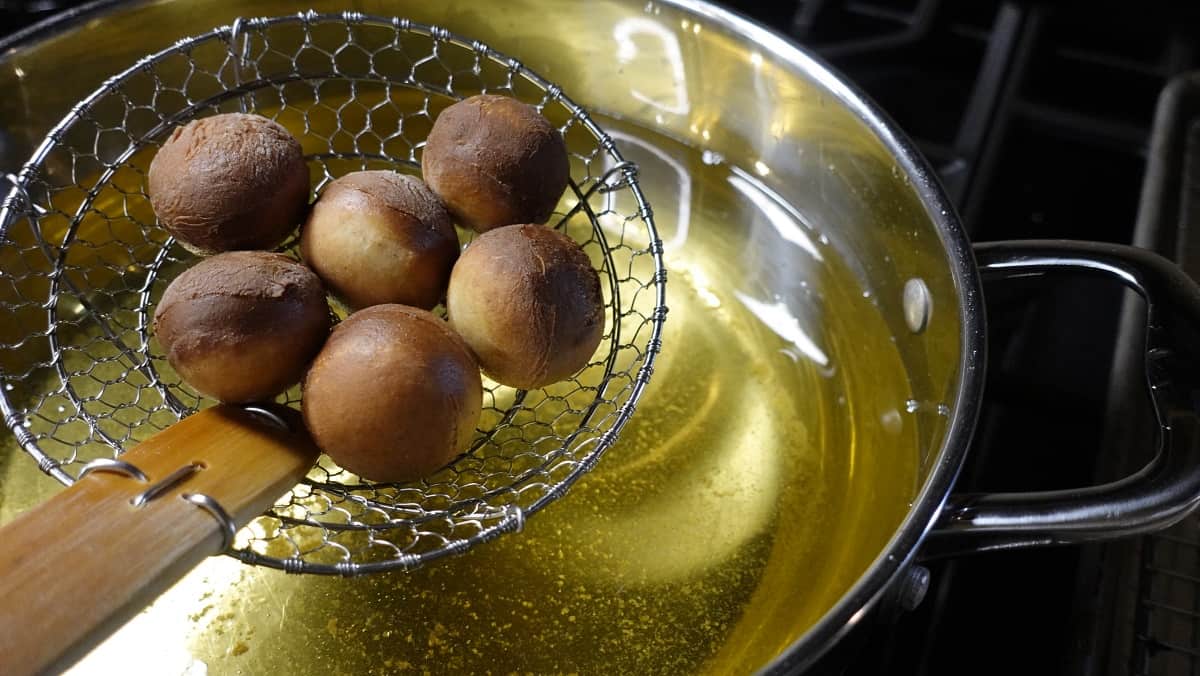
[76,567]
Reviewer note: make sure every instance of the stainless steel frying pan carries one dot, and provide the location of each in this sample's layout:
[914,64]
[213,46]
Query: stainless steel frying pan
[827,313]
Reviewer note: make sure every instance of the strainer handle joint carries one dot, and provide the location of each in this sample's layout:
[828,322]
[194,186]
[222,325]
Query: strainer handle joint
[76,567]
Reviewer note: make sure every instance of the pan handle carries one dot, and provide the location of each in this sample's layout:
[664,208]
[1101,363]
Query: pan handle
[1160,493]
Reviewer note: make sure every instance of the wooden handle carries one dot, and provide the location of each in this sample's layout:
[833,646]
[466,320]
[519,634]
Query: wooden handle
[75,568]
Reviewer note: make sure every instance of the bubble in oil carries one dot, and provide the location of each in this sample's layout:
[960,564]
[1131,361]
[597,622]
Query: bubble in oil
[939,408]
[892,422]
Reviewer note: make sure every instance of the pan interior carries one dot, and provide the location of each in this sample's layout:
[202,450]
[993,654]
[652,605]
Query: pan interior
[774,457]
[783,439]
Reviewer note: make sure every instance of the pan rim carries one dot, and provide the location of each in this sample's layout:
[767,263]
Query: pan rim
[894,558]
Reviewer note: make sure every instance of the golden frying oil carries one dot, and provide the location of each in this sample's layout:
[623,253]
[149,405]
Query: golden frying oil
[770,460]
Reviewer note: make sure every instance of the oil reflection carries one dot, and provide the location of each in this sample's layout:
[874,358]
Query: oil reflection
[194,599]
[781,215]
[683,183]
[780,319]
[627,51]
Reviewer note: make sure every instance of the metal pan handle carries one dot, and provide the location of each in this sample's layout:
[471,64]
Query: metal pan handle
[1154,497]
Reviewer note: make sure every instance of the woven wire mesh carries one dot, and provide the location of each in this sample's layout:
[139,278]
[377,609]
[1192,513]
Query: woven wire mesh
[83,262]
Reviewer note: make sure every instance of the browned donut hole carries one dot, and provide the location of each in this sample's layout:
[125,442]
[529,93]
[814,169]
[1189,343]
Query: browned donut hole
[229,182]
[527,300]
[381,237]
[394,395]
[242,326]
[495,161]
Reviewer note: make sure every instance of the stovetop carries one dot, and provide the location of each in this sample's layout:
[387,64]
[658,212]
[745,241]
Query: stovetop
[1038,118]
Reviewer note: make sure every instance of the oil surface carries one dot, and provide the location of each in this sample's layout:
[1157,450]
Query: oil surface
[770,460]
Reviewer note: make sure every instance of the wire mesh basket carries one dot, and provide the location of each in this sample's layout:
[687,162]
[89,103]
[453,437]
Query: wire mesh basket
[83,262]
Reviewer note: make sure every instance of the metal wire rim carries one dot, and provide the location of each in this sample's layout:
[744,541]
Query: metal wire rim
[19,204]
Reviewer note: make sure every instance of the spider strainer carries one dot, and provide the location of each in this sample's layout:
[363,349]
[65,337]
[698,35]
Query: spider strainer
[82,264]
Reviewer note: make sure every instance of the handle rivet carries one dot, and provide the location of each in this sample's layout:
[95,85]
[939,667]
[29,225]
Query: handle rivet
[918,305]
[214,508]
[914,587]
